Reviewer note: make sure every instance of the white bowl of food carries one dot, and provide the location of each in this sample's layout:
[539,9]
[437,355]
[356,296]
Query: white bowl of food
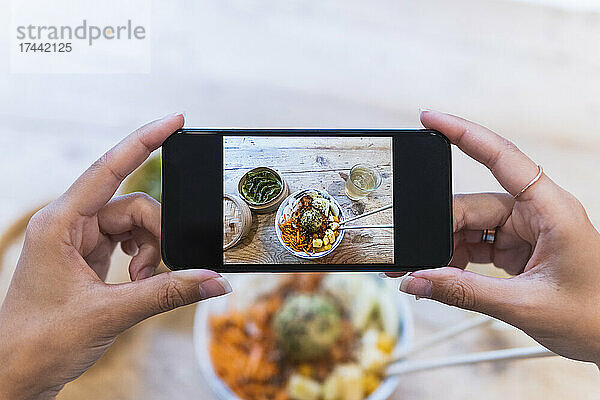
[302,337]
[307,223]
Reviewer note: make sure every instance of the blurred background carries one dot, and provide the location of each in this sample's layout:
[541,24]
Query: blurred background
[529,70]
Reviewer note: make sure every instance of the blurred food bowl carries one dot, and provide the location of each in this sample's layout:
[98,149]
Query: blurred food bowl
[381,324]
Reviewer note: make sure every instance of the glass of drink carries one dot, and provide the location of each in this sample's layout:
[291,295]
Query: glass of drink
[363,180]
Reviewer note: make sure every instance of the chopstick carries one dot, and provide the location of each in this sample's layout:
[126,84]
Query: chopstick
[518,353]
[366,214]
[447,333]
[366,227]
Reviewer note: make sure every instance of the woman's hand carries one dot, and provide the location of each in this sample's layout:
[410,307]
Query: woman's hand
[59,316]
[544,238]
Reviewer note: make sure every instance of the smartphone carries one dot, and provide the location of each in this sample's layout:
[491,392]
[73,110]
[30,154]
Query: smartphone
[302,200]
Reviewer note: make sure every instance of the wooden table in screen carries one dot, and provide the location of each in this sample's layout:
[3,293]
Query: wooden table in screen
[320,163]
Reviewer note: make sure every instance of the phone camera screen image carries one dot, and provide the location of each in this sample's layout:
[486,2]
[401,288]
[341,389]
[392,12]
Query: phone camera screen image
[303,200]
[311,199]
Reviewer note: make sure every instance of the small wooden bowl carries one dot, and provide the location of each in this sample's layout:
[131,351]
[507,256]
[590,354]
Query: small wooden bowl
[272,205]
[237,217]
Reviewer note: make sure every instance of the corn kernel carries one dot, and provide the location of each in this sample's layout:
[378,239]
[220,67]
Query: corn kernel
[305,370]
[385,342]
[370,383]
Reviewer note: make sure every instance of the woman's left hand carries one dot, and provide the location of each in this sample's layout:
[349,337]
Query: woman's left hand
[59,316]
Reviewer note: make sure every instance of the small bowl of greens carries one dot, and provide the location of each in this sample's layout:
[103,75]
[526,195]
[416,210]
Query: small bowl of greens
[263,189]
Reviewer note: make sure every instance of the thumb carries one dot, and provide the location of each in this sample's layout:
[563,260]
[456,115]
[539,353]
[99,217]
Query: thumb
[141,299]
[498,297]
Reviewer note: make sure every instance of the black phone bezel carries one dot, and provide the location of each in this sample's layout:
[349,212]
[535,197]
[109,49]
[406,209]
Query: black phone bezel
[210,140]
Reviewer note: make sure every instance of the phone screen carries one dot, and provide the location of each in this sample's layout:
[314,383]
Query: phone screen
[280,200]
[310,197]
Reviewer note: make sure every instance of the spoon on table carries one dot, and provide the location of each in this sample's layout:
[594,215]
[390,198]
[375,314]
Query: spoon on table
[365,215]
[397,366]
[518,353]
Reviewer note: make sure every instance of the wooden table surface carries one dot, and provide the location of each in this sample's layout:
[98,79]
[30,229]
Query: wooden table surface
[314,163]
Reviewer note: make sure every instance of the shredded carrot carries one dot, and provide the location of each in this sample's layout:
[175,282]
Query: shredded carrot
[245,353]
[294,235]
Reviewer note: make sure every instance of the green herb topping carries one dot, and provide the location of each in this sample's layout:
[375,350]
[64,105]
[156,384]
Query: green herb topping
[260,187]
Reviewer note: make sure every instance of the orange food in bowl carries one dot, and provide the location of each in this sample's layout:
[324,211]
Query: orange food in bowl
[245,354]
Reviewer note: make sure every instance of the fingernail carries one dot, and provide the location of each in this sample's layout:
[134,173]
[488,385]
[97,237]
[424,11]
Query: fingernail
[416,286]
[422,110]
[214,287]
[395,274]
[382,275]
[174,115]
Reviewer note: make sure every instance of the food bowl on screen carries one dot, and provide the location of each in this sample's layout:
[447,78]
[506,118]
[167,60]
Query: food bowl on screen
[308,224]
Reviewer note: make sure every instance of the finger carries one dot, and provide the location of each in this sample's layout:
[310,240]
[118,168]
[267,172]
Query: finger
[479,253]
[498,297]
[144,263]
[511,167]
[124,213]
[129,247]
[472,213]
[94,188]
[508,251]
[99,259]
[461,256]
[136,301]
[135,219]
[395,274]
[475,212]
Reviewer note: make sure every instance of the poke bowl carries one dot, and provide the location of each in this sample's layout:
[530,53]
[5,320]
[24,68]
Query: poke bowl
[243,355]
[308,223]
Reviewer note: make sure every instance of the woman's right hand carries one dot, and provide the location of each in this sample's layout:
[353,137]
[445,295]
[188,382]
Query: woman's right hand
[544,238]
